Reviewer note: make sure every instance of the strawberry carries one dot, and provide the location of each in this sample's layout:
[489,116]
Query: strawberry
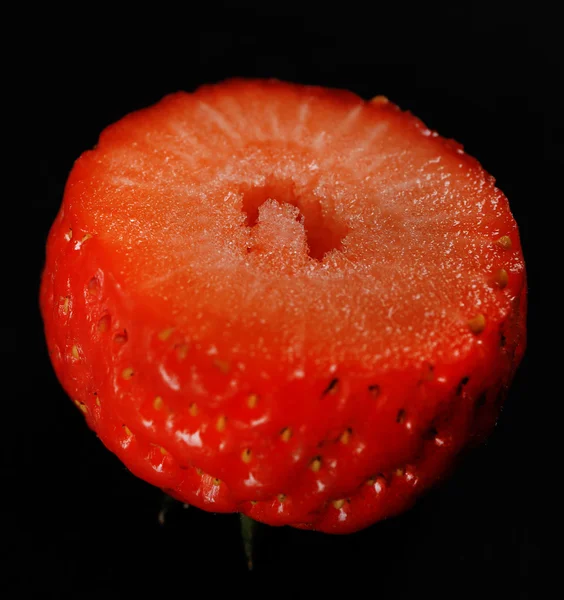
[284,301]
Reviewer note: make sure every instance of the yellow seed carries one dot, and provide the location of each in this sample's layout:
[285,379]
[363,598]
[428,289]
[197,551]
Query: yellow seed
[338,503]
[68,235]
[163,451]
[221,422]
[165,334]
[505,242]
[371,481]
[85,238]
[379,100]
[158,403]
[246,455]
[252,400]
[93,286]
[127,373]
[74,352]
[193,409]
[286,434]
[281,497]
[182,351]
[199,471]
[82,406]
[502,278]
[253,502]
[120,338]
[216,481]
[127,430]
[345,436]
[222,365]
[103,323]
[477,324]
[98,403]
[315,464]
[400,472]
[65,308]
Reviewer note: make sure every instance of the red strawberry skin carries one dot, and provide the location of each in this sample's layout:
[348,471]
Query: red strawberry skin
[227,412]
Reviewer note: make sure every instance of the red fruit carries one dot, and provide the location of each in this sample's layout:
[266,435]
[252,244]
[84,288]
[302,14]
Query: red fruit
[284,301]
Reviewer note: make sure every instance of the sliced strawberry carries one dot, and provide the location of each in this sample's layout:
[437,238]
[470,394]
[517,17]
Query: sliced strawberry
[284,300]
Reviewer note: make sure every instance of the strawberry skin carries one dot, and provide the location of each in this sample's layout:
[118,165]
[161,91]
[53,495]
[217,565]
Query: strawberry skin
[284,301]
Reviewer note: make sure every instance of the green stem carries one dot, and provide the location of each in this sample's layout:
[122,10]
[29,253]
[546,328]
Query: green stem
[248,533]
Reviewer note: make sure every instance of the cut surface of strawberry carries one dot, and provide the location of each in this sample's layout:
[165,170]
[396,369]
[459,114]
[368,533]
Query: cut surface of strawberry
[284,300]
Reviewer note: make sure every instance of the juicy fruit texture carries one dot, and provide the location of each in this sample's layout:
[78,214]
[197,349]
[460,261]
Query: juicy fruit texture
[284,301]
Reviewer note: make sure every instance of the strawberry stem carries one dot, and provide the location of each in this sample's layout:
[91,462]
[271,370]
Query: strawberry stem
[167,503]
[248,533]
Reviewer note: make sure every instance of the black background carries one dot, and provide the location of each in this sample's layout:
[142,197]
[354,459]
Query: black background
[485,75]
